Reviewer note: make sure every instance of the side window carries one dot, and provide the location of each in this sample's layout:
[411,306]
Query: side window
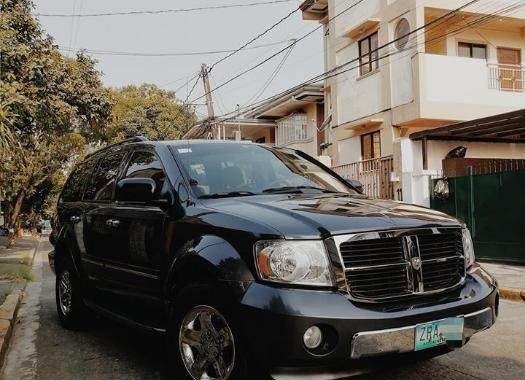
[72,191]
[147,165]
[103,181]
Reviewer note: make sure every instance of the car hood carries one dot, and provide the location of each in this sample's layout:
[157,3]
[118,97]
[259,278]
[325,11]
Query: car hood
[314,216]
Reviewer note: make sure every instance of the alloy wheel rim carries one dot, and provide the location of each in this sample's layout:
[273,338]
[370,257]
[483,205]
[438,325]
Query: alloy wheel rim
[65,292]
[206,344]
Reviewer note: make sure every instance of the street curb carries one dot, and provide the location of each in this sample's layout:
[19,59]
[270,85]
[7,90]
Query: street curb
[512,294]
[9,313]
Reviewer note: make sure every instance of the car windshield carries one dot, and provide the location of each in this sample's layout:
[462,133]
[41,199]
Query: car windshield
[227,169]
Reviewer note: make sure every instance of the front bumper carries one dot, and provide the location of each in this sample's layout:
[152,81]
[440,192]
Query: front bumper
[275,319]
[401,340]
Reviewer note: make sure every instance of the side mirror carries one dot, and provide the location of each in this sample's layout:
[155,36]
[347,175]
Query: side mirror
[139,190]
[356,185]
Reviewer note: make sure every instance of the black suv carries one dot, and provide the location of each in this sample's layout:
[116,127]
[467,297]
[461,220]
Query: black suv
[252,257]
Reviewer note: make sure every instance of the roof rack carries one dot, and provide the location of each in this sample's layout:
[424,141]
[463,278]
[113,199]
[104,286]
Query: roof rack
[126,141]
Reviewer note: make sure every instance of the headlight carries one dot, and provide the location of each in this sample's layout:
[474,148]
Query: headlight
[468,248]
[293,262]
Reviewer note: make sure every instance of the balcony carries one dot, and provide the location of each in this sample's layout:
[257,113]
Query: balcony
[373,174]
[457,88]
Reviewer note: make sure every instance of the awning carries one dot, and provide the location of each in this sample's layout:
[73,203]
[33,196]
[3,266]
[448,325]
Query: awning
[506,128]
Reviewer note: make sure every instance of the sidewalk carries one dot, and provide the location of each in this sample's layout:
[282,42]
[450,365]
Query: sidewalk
[511,279]
[15,263]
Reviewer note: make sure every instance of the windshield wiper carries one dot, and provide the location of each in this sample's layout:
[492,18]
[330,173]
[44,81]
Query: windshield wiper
[227,195]
[294,189]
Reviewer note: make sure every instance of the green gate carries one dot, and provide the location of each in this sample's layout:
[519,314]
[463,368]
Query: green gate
[493,206]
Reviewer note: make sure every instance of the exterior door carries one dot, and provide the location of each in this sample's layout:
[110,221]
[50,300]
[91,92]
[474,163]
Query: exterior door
[137,233]
[510,71]
[99,244]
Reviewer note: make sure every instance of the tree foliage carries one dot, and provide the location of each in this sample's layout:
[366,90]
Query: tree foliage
[52,108]
[50,105]
[149,111]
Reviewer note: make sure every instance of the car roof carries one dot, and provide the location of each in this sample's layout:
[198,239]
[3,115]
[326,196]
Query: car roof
[198,142]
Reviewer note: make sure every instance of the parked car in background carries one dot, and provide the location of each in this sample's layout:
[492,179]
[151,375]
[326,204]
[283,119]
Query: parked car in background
[46,227]
[5,237]
[257,259]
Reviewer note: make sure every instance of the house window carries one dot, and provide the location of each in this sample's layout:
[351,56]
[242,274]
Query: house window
[368,54]
[292,128]
[469,50]
[371,145]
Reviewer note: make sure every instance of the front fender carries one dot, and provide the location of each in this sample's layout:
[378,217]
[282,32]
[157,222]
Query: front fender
[209,258]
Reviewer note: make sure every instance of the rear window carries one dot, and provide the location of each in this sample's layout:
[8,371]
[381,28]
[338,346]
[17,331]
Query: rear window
[72,191]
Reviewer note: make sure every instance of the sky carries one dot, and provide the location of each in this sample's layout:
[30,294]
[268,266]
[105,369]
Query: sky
[204,30]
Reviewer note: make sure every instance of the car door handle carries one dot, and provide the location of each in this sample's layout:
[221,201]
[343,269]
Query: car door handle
[75,219]
[112,223]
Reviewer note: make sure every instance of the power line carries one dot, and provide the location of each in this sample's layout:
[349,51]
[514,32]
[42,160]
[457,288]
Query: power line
[335,71]
[161,11]
[272,76]
[192,89]
[279,52]
[260,35]
[324,75]
[168,54]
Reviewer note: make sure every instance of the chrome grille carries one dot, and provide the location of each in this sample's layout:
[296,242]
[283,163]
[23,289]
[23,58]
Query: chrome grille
[383,265]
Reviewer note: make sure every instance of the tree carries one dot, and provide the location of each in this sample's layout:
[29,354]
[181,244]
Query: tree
[149,111]
[50,105]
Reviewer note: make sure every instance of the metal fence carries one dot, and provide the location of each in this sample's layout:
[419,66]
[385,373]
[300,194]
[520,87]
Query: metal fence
[373,174]
[493,207]
[507,78]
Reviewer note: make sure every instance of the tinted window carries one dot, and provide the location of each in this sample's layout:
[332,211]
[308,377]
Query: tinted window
[103,181]
[73,188]
[147,165]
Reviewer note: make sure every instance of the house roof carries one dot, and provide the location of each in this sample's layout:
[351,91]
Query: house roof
[289,103]
[314,9]
[508,127]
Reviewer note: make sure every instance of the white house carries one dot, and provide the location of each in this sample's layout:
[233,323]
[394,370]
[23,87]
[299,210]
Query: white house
[410,66]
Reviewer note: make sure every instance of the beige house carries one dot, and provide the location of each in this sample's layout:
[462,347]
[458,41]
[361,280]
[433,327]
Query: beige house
[298,119]
[294,120]
[441,68]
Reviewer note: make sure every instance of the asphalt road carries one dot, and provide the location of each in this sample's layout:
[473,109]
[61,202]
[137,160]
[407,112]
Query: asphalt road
[42,350]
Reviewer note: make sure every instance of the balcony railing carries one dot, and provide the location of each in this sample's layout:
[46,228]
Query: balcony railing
[373,174]
[507,78]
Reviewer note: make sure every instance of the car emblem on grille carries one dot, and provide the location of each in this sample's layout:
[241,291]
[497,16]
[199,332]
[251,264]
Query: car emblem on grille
[416,263]
[413,258]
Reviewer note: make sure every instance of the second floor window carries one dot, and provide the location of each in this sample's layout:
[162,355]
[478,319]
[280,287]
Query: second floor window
[469,50]
[371,145]
[368,54]
[292,128]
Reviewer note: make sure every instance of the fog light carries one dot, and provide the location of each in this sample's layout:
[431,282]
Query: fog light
[313,337]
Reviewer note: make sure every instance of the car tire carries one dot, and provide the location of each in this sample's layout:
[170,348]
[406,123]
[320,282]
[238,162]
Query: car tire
[202,328]
[72,312]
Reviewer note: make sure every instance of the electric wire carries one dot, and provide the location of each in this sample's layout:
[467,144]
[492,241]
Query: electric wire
[171,54]
[162,11]
[334,72]
[272,77]
[242,73]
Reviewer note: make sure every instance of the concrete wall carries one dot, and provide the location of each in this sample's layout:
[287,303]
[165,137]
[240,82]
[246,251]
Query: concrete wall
[415,180]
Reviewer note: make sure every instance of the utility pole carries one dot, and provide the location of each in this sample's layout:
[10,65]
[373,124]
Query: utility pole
[209,100]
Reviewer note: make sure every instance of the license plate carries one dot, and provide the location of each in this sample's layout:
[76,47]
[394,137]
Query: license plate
[437,333]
